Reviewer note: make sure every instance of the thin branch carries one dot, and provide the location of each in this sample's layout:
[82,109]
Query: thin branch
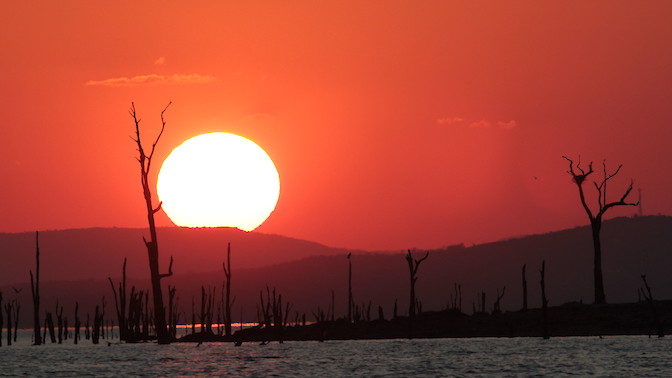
[170,270]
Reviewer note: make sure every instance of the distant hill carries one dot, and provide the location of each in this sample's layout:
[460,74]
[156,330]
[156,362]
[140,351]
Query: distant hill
[306,273]
[82,254]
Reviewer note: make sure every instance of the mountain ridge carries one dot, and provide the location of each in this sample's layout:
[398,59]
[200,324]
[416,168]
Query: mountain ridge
[632,246]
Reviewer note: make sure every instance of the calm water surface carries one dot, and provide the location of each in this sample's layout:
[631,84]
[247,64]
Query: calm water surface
[611,356]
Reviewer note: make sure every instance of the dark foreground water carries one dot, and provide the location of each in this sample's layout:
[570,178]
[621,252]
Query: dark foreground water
[611,356]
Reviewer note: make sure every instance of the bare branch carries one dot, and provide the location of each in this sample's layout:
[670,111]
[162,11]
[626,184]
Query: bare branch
[170,270]
[579,179]
[163,127]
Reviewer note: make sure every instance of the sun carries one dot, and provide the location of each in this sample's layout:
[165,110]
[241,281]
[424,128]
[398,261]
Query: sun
[218,180]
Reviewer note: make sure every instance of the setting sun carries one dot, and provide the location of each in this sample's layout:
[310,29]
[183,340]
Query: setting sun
[218,180]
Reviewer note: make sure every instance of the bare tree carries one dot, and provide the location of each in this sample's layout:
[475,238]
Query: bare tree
[652,306]
[145,160]
[120,302]
[35,291]
[579,175]
[544,301]
[524,288]
[350,300]
[413,265]
[227,304]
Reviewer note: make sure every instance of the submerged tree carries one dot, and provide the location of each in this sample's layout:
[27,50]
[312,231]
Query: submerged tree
[544,301]
[227,305]
[145,160]
[579,176]
[350,299]
[35,291]
[524,288]
[413,265]
[120,302]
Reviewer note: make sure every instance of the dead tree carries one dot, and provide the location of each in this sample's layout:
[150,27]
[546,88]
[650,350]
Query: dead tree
[544,301]
[455,303]
[524,289]
[579,176]
[227,303]
[35,291]
[497,309]
[172,312]
[95,335]
[49,324]
[59,322]
[351,302]
[333,306]
[9,324]
[120,303]
[145,160]
[17,309]
[78,323]
[413,265]
[652,306]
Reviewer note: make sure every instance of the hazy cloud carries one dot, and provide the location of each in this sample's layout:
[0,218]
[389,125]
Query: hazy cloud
[498,124]
[160,61]
[482,124]
[153,79]
[449,120]
[506,125]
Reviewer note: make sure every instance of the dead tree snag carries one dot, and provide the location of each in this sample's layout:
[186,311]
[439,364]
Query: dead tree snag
[579,175]
[227,303]
[35,291]
[145,160]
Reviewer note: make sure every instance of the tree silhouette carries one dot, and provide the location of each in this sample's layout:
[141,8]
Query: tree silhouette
[35,291]
[227,306]
[413,265]
[596,217]
[162,334]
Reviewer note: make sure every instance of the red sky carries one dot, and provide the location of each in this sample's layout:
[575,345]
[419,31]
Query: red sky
[393,124]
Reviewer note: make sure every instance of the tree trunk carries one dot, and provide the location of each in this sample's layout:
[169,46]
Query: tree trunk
[350,299]
[544,302]
[598,283]
[1,322]
[77,322]
[35,290]
[227,305]
[524,289]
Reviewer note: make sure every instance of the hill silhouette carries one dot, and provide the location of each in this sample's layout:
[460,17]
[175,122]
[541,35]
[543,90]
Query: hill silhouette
[82,254]
[306,273]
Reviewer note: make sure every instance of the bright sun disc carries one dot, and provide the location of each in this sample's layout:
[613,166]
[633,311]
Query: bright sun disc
[218,180]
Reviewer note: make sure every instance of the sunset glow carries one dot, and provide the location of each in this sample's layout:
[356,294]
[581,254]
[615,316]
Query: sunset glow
[218,180]
[393,124]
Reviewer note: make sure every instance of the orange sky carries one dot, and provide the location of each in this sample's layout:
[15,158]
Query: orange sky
[393,124]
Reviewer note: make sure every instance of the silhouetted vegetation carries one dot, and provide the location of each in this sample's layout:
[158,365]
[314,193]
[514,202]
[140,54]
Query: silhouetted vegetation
[145,160]
[351,302]
[596,218]
[120,302]
[544,301]
[228,302]
[655,319]
[35,290]
[524,288]
[273,313]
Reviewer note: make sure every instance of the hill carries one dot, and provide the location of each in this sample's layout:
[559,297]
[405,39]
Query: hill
[82,254]
[306,273]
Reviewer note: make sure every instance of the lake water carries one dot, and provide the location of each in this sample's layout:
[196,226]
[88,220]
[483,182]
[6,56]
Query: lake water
[610,356]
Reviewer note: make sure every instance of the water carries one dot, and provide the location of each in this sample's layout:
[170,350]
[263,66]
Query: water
[611,356]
